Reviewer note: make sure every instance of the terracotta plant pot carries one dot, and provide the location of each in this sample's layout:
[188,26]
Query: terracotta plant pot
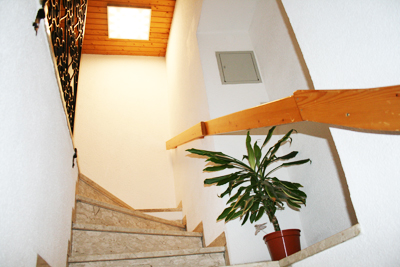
[283,243]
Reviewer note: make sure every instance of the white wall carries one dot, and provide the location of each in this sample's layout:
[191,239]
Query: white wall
[224,99]
[329,209]
[37,184]
[280,60]
[354,44]
[230,32]
[227,31]
[283,69]
[189,106]
[224,26]
[267,34]
[122,124]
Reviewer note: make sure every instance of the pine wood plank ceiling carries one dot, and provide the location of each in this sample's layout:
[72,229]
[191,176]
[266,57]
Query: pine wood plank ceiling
[96,39]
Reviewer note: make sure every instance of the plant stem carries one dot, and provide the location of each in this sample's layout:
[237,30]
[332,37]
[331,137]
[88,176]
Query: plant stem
[275,223]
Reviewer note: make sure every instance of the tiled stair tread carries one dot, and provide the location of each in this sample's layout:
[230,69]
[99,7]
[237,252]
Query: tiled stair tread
[160,210]
[89,188]
[325,244]
[117,229]
[98,242]
[87,213]
[260,264]
[127,211]
[141,255]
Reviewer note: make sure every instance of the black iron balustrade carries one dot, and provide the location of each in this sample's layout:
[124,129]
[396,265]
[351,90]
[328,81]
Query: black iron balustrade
[66,20]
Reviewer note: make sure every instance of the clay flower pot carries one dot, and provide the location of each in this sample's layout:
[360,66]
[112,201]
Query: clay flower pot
[283,243]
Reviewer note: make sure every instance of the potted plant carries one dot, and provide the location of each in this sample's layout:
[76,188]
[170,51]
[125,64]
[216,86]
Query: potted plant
[256,191]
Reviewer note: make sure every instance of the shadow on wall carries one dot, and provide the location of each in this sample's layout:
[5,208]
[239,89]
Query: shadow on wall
[296,46]
[320,130]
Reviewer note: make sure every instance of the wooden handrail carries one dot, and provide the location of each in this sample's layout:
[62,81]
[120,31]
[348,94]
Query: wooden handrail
[371,109]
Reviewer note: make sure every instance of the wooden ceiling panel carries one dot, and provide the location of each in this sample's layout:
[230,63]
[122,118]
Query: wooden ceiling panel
[96,39]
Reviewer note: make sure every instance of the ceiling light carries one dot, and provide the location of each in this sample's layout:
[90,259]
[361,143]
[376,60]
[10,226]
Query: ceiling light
[128,23]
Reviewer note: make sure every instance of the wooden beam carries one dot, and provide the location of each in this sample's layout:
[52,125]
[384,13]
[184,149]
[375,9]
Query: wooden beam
[373,109]
[104,26]
[97,19]
[104,33]
[159,11]
[126,53]
[94,14]
[195,132]
[132,2]
[123,48]
[117,42]
[278,112]
[89,37]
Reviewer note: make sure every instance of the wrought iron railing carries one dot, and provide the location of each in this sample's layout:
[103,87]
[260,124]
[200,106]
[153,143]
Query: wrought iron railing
[66,19]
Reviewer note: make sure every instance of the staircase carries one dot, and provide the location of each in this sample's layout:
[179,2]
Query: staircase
[107,232]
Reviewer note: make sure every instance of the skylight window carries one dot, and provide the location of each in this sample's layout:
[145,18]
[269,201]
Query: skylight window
[128,23]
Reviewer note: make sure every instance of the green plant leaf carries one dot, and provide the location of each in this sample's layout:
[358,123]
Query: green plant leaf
[288,156]
[224,213]
[219,160]
[255,206]
[291,194]
[257,154]
[236,215]
[230,176]
[204,152]
[292,203]
[278,144]
[260,214]
[218,168]
[299,162]
[241,199]
[219,155]
[250,152]
[235,196]
[232,214]
[249,203]
[246,217]
[269,135]
[270,190]
[257,193]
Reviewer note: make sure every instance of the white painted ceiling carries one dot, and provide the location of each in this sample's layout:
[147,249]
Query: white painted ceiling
[226,15]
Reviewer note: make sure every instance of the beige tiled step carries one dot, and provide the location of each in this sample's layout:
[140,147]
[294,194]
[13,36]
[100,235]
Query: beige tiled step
[260,264]
[97,239]
[88,188]
[90,211]
[183,258]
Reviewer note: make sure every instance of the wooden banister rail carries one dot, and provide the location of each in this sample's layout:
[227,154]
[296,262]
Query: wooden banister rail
[371,109]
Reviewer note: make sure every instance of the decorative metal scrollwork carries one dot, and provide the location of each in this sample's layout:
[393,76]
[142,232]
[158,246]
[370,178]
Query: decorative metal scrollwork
[66,20]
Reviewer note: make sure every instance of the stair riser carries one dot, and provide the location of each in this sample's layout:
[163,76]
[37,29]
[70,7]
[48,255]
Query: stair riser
[88,191]
[90,214]
[212,259]
[96,242]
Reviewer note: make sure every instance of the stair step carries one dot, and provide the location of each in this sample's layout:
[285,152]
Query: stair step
[90,211]
[88,188]
[260,264]
[98,239]
[184,258]
[175,216]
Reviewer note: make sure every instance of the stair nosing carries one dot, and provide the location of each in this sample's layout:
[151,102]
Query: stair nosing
[142,255]
[119,229]
[127,211]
